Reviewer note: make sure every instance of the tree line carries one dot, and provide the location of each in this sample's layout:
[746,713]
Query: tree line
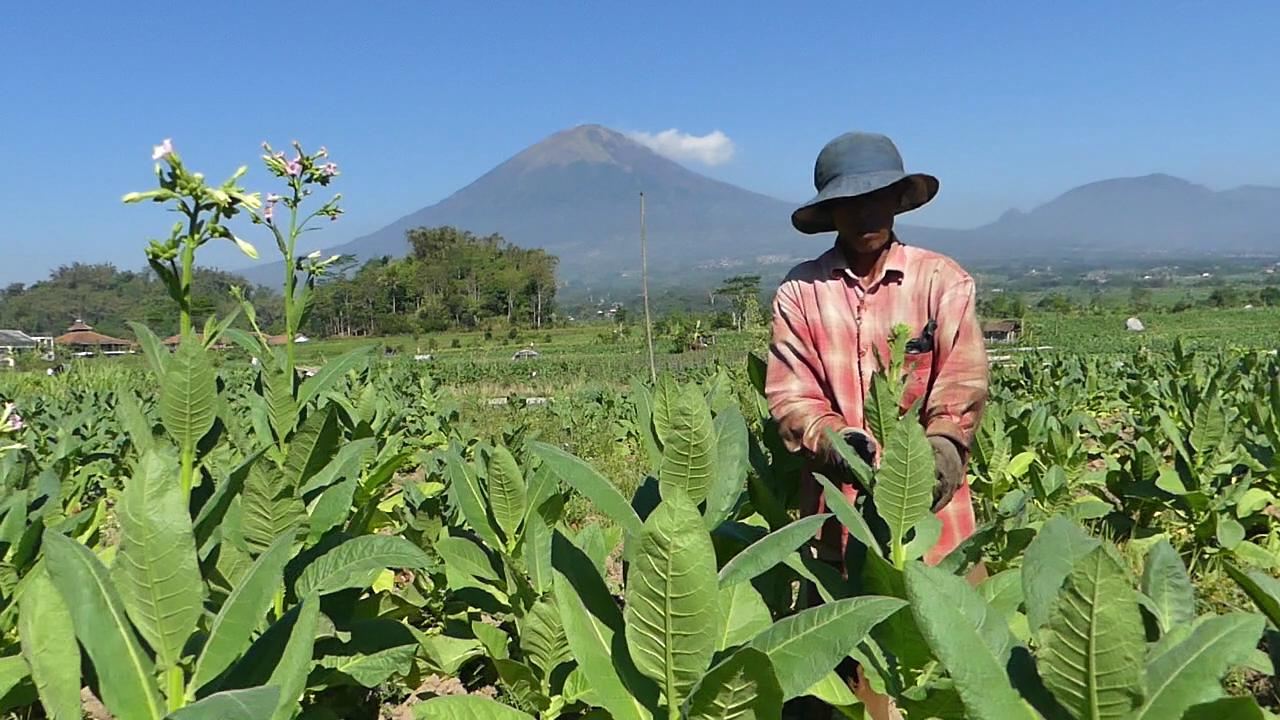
[451,279]
[108,298]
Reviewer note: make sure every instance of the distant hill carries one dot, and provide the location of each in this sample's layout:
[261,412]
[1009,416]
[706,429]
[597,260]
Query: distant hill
[576,194]
[1151,214]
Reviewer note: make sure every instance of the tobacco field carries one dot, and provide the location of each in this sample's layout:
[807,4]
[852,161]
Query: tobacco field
[211,538]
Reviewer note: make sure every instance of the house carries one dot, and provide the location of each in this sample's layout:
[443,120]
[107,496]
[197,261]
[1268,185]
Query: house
[1002,331]
[12,341]
[173,341]
[84,341]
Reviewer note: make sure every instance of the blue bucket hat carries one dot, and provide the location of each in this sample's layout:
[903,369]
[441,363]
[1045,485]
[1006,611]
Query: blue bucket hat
[854,164]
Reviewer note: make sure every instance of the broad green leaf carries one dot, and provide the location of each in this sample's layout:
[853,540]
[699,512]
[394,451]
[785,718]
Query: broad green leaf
[290,673]
[643,403]
[762,555]
[543,484]
[1190,672]
[379,650]
[731,466]
[48,640]
[332,371]
[247,704]
[103,629]
[848,515]
[666,395]
[233,626]
[1048,561]
[1230,532]
[1094,645]
[463,555]
[743,613]
[592,485]
[881,408]
[465,495]
[1003,592]
[742,687]
[1261,588]
[904,485]
[312,447]
[1209,426]
[672,608]
[1254,500]
[1020,464]
[270,507]
[345,464]
[14,674]
[521,686]
[1227,708]
[689,450]
[282,408]
[834,690]
[506,492]
[466,707]
[969,639]
[331,508]
[1165,581]
[594,629]
[542,637]
[354,563]
[188,393]
[156,571]
[157,355]
[133,422]
[809,644]
[537,554]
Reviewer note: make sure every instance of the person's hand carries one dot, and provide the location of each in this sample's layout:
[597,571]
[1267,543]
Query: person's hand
[948,469]
[833,465]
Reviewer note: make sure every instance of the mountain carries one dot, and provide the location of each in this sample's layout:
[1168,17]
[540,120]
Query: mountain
[576,194]
[1151,214]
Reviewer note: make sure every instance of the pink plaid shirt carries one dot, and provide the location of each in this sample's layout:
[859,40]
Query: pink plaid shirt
[825,324]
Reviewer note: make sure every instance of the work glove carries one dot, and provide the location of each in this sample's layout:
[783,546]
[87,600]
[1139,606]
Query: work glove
[833,465]
[948,469]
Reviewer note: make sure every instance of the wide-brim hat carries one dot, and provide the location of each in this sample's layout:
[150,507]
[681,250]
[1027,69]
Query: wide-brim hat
[854,164]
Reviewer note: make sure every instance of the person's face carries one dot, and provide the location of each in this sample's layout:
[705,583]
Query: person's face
[865,223]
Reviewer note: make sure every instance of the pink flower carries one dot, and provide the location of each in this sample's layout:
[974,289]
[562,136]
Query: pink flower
[330,169]
[293,167]
[164,149]
[267,212]
[15,420]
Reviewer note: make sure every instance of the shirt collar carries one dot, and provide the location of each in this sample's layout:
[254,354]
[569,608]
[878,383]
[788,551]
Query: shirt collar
[834,263]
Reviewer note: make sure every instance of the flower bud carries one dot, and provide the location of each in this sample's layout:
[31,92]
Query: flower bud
[246,248]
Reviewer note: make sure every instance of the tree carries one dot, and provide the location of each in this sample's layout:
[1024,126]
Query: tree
[744,294]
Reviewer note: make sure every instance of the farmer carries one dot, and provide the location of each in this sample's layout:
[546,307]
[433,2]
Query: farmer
[831,316]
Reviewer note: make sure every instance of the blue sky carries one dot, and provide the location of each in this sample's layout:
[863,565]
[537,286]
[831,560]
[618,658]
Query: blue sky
[1009,103]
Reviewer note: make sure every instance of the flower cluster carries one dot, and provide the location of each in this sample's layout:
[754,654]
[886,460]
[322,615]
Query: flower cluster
[194,197]
[300,172]
[10,422]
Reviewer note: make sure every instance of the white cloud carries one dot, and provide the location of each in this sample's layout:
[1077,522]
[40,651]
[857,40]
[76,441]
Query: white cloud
[714,148]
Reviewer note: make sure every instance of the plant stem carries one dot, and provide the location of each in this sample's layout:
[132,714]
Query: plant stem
[290,281]
[177,688]
[188,261]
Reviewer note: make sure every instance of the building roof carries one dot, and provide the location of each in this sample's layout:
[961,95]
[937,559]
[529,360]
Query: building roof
[81,334]
[1001,326]
[16,339]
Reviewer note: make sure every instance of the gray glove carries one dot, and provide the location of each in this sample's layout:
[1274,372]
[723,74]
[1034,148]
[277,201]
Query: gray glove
[833,465]
[949,470]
